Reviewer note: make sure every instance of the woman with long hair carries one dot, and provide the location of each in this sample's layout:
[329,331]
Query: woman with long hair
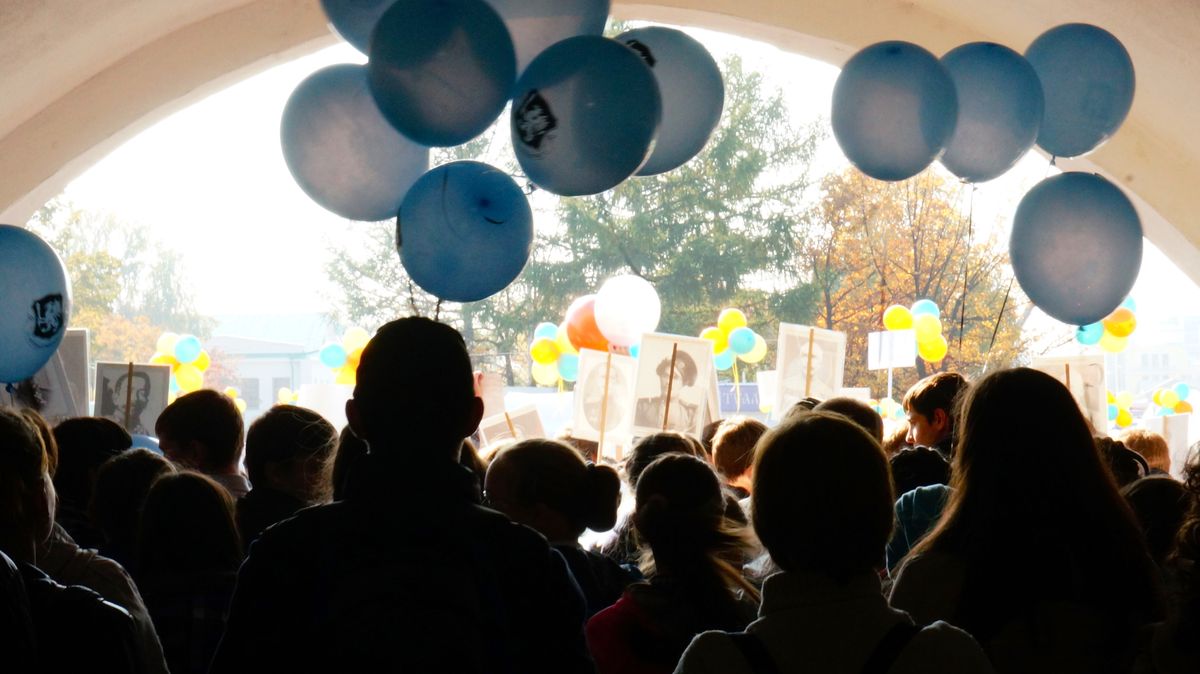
[691,559]
[1036,555]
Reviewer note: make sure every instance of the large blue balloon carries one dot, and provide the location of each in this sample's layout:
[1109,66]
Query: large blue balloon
[537,24]
[465,231]
[1076,247]
[355,19]
[441,70]
[1088,80]
[999,110]
[584,117]
[341,150]
[894,109]
[35,303]
[693,93]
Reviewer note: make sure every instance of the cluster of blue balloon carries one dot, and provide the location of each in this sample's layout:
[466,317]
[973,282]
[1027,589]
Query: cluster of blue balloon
[35,303]
[1076,239]
[588,112]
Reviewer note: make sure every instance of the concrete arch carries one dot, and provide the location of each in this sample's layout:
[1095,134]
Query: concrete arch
[79,78]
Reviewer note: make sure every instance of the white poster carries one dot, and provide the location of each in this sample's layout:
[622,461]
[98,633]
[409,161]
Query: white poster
[675,385]
[1084,377]
[811,363]
[892,349]
[132,395]
[604,397]
[522,423]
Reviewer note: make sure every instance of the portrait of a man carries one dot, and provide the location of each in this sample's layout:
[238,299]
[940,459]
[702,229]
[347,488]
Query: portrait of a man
[138,397]
[683,408]
[802,377]
[590,400]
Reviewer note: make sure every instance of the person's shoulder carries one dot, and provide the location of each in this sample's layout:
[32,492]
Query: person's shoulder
[711,651]
[942,647]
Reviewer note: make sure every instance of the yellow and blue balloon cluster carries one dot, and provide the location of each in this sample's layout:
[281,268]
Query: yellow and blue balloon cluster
[1113,331]
[1173,400]
[187,358]
[732,338]
[925,319]
[343,357]
[235,394]
[554,356]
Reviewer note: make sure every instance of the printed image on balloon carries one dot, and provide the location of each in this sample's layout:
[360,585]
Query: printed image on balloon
[340,149]
[441,71]
[692,89]
[536,24]
[1000,106]
[894,109]
[464,231]
[35,302]
[584,116]
[1088,81]
[1076,247]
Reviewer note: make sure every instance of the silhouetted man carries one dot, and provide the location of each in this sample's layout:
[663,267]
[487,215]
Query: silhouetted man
[408,573]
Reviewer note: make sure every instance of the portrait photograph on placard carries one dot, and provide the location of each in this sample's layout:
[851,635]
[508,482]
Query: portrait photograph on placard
[525,424]
[1084,376]
[811,363]
[676,389]
[48,392]
[132,399]
[591,399]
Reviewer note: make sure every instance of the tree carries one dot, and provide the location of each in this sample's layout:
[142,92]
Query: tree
[871,244]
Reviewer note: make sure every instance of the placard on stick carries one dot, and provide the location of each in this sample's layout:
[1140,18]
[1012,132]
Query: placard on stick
[522,423]
[1085,377]
[811,363]
[604,395]
[891,349]
[132,394]
[674,387]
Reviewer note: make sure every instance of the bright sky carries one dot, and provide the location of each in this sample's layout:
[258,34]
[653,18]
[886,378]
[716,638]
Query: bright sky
[211,182]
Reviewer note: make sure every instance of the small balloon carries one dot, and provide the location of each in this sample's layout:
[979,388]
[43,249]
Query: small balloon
[1183,390]
[346,376]
[627,306]
[693,93]
[203,361]
[894,109]
[537,24]
[232,392]
[1076,247]
[757,353]
[741,340]
[718,337]
[545,329]
[166,344]
[545,375]
[724,360]
[240,405]
[999,110]
[934,350]
[543,351]
[1129,304]
[1121,322]
[355,339]
[563,340]
[145,442]
[1183,407]
[568,367]
[584,116]
[333,356]
[355,19]
[465,231]
[1124,418]
[1156,398]
[165,359]
[634,350]
[1112,412]
[340,149]
[897,317]
[1125,399]
[189,378]
[581,325]
[1112,399]
[35,303]
[1113,344]
[925,307]
[187,349]
[1088,80]
[1090,333]
[284,396]
[927,327]
[730,320]
[1168,398]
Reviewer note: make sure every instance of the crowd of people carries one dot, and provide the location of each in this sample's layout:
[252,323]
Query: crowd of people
[966,542]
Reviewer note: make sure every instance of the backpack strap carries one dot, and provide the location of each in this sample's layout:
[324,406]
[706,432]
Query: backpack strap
[754,652]
[890,647]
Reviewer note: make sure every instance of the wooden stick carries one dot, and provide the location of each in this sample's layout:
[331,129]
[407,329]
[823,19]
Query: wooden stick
[808,370]
[604,404]
[737,387]
[128,396]
[512,430]
[1067,370]
[670,385]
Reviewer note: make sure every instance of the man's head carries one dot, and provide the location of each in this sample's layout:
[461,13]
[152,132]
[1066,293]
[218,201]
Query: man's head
[931,406]
[858,412]
[202,430]
[733,446]
[685,370]
[415,391]
[136,388]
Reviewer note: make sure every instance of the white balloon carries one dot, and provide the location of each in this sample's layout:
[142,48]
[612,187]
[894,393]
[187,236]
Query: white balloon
[627,307]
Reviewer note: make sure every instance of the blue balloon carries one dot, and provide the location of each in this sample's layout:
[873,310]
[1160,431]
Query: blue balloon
[465,231]
[585,115]
[926,307]
[1090,333]
[545,329]
[1183,391]
[340,149]
[1113,412]
[999,110]
[635,349]
[441,71]
[692,90]
[894,109]
[35,303]
[1088,80]
[187,349]
[724,360]
[537,24]
[568,366]
[146,442]
[1076,247]
[1129,304]
[333,356]
[741,340]
[355,19]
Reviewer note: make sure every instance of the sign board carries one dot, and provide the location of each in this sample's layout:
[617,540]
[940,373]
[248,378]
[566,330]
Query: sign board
[1084,376]
[891,349]
[811,363]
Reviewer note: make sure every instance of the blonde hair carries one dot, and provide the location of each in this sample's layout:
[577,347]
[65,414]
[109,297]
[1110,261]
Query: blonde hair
[1152,447]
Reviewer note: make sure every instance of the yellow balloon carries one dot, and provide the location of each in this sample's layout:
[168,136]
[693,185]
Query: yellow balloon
[189,378]
[1169,398]
[241,405]
[718,337]
[346,375]
[284,396]
[897,317]
[166,343]
[1124,418]
[1112,399]
[543,351]
[355,339]
[1113,344]
[759,351]
[545,374]
[927,327]
[730,320]
[202,361]
[1157,397]
[563,342]
[933,350]
[165,359]
[1124,399]
[233,392]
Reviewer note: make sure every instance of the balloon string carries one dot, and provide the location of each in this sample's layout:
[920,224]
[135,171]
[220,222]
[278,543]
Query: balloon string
[962,316]
[1000,316]
[737,388]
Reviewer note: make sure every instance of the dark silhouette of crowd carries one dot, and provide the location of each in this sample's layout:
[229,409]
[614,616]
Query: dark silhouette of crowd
[997,532]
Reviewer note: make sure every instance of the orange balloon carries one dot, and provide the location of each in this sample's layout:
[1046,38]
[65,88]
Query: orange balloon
[581,325]
[1183,407]
[1121,322]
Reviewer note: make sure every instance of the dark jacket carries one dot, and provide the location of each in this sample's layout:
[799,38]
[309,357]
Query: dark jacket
[404,576]
[261,508]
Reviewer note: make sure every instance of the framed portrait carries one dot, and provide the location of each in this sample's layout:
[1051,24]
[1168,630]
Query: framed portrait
[810,363]
[47,392]
[1084,376]
[519,424]
[675,393]
[604,395]
[133,396]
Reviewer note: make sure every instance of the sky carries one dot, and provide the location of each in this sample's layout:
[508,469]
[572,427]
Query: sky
[210,181]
